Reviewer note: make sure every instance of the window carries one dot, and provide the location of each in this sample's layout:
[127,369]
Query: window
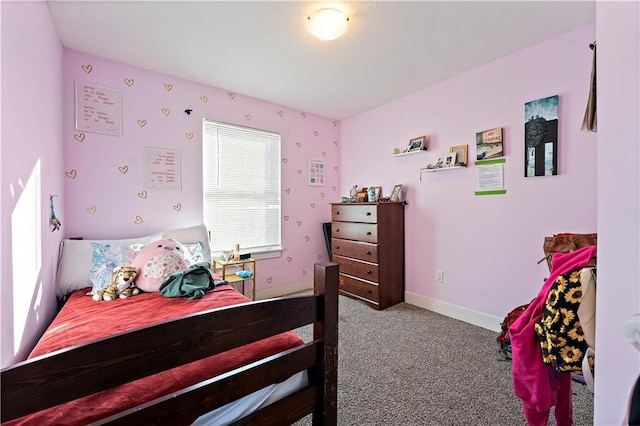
[241,185]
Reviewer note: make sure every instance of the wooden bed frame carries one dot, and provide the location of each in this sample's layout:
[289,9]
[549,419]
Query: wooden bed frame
[81,370]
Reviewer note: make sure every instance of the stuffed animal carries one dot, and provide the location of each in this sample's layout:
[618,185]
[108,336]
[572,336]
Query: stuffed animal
[156,261]
[122,285]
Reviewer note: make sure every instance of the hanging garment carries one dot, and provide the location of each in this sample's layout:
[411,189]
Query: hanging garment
[590,120]
[535,383]
[562,339]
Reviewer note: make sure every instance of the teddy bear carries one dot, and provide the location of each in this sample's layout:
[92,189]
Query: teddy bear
[157,261]
[122,285]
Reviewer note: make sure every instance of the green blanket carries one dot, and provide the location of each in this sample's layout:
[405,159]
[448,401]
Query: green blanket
[190,283]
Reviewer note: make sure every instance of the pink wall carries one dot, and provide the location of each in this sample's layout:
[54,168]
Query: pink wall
[30,164]
[487,246]
[618,35]
[103,174]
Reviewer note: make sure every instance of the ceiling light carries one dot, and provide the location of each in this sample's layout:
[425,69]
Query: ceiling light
[328,24]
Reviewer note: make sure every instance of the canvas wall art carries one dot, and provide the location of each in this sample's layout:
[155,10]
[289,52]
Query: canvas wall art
[541,137]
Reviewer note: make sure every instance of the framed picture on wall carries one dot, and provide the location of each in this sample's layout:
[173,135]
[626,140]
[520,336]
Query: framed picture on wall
[315,171]
[489,144]
[541,137]
[98,109]
[162,169]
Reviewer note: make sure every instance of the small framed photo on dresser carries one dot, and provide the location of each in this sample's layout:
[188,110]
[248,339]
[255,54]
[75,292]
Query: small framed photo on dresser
[395,194]
[373,195]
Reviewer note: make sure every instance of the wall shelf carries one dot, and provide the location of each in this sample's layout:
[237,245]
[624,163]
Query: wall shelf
[440,169]
[408,153]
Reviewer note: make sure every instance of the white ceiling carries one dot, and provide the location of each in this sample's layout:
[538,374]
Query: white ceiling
[262,49]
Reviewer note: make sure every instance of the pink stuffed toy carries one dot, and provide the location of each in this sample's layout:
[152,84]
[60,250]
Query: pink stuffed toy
[156,261]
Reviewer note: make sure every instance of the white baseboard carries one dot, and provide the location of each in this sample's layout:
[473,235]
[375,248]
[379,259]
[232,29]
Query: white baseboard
[480,319]
[283,290]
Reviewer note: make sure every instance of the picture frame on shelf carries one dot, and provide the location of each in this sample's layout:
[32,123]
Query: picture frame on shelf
[462,153]
[395,194]
[446,160]
[417,144]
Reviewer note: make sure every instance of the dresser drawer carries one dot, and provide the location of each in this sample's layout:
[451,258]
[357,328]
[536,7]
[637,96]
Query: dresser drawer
[359,287]
[354,213]
[364,270]
[355,249]
[367,232]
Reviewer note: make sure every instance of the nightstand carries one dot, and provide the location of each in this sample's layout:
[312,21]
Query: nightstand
[229,274]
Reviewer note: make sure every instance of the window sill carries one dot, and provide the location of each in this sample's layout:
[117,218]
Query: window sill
[266,253]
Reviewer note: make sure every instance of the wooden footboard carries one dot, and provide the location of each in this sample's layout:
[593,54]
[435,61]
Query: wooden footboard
[72,373]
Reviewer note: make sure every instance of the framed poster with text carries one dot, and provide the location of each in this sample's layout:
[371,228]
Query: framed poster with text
[162,169]
[98,109]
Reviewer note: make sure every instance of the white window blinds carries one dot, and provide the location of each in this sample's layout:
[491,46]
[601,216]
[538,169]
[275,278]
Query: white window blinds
[241,184]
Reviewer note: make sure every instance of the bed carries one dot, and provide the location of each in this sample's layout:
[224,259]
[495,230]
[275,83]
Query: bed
[148,359]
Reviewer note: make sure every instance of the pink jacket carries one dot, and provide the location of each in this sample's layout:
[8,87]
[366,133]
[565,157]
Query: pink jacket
[530,375]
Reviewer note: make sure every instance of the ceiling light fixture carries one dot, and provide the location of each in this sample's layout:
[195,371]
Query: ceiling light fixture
[328,24]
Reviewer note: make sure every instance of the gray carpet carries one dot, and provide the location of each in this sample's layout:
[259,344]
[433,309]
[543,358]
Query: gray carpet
[409,366]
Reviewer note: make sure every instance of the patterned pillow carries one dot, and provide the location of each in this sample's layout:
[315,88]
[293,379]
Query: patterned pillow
[107,257]
[193,253]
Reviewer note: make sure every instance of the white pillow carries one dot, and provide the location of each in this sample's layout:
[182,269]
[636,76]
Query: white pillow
[75,261]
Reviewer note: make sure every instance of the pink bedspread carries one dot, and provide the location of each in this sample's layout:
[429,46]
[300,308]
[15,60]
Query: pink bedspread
[82,320]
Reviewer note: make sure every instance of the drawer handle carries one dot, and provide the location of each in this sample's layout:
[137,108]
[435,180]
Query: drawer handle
[337,230]
[337,247]
[368,213]
[337,213]
[369,233]
[369,291]
[369,272]
[368,253]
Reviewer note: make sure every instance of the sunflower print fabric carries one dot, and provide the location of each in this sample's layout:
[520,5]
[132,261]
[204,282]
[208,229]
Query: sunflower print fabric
[559,332]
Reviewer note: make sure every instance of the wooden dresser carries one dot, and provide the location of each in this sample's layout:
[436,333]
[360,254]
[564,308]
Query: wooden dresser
[367,240]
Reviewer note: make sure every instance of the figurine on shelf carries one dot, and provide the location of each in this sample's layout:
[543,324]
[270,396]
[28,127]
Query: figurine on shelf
[353,192]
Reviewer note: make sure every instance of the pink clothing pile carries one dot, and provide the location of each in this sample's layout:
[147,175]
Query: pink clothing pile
[538,385]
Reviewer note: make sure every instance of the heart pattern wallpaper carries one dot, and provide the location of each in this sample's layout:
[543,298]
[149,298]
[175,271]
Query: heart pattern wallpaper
[106,195]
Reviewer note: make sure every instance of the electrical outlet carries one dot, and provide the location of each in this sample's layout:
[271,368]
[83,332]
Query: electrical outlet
[439,276]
